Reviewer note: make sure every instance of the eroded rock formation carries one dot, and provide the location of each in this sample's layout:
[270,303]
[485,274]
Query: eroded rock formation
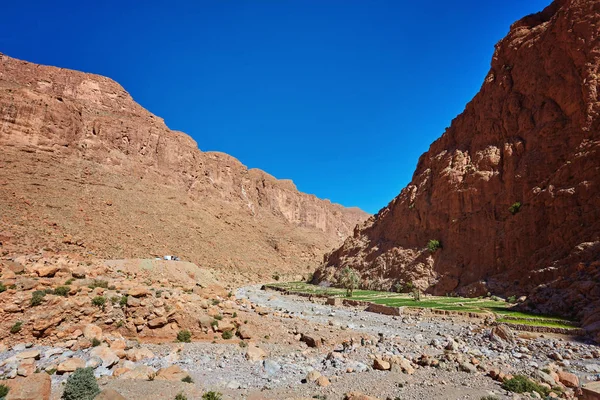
[84,165]
[512,188]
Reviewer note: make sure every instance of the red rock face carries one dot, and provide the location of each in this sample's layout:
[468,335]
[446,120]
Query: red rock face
[530,136]
[81,157]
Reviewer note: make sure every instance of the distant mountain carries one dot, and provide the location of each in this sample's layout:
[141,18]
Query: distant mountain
[84,167]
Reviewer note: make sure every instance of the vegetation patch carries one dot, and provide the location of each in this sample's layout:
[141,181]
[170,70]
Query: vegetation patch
[491,303]
[184,336]
[81,385]
[522,384]
[434,245]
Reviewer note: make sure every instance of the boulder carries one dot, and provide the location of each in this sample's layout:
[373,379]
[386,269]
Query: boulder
[172,373]
[381,365]
[138,292]
[157,322]
[245,332]
[108,357]
[35,354]
[141,372]
[568,379]
[255,353]
[92,332]
[47,271]
[70,365]
[502,333]
[139,354]
[33,387]
[323,381]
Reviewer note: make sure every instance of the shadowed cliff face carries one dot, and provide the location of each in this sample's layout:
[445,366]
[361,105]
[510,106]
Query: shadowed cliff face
[80,158]
[532,136]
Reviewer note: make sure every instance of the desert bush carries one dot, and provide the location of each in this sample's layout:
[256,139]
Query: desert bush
[123,301]
[522,384]
[218,317]
[3,391]
[37,297]
[212,396]
[181,396]
[276,276]
[69,281]
[512,299]
[98,283]
[434,245]
[16,327]
[489,398]
[515,208]
[216,302]
[187,379]
[227,335]
[96,342]
[99,301]
[62,291]
[184,336]
[2,287]
[81,385]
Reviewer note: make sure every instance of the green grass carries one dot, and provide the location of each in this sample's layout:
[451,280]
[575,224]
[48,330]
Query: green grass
[473,305]
[537,322]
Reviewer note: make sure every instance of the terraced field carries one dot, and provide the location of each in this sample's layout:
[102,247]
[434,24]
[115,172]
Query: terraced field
[505,310]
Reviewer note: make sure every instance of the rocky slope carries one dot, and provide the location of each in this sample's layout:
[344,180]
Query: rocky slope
[530,136]
[84,166]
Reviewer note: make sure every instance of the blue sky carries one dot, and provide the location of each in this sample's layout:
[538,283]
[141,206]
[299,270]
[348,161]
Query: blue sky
[341,96]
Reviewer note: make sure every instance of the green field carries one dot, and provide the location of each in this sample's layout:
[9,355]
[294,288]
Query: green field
[475,305]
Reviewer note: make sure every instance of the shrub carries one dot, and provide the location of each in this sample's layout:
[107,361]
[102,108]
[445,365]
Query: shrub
[276,276]
[489,398]
[349,280]
[227,335]
[216,302]
[230,294]
[3,391]
[434,245]
[234,315]
[112,287]
[99,301]
[515,208]
[36,297]
[187,379]
[243,344]
[81,385]
[522,384]
[69,281]
[214,323]
[512,299]
[181,396]
[218,317]
[98,283]
[2,287]
[96,342]
[62,291]
[212,396]
[184,336]
[123,301]
[114,299]
[16,328]
[120,323]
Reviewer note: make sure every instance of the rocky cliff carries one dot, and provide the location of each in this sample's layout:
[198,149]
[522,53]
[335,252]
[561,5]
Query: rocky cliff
[84,165]
[511,190]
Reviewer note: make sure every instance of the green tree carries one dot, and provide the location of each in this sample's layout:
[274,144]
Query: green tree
[350,280]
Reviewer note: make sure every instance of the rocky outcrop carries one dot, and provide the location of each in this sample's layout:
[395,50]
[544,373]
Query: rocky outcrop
[511,190]
[80,154]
